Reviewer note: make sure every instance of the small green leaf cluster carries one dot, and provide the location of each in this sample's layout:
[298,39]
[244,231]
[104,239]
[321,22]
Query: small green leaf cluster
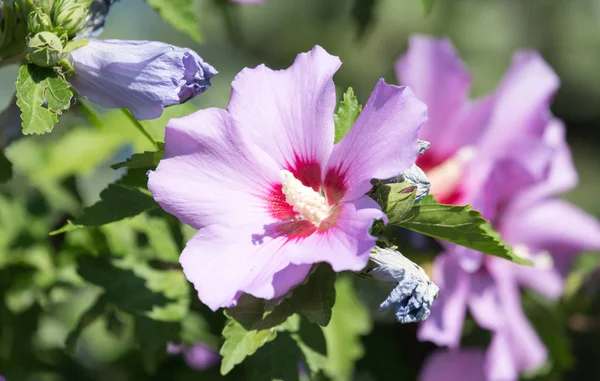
[49,26]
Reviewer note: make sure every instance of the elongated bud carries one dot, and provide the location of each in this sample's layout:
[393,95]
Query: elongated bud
[415,292]
[44,49]
[71,15]
[39,21]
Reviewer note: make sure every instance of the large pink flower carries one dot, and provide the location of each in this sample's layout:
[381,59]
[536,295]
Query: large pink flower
[507,155]
[269,191]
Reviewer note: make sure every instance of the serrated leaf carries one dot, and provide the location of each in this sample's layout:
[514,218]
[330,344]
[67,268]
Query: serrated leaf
[147,159]
[346,114]
[241,343]
[179,13]
[117,202]
[457,224]
[37,87]
[350,320]
[6,171]
[313,299]
[427,6]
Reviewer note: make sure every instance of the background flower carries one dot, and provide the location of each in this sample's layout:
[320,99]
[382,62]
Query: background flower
[506,155]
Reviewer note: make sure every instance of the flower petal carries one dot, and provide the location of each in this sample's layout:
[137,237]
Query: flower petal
[289,113]
[522,103]
[460,365]
[433,70]
[344,245]
[553,225]
[142,76]
[500,363]
[444,325]
[484,301]
[546,282]
[381,144]
[223,263]
[210,175]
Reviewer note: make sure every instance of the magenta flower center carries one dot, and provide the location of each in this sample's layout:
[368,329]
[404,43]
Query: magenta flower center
[446,177]
[308,203]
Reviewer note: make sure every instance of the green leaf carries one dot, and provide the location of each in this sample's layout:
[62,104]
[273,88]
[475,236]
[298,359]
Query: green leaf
[179,13]
[346,114]
[278,360]
[116,203]
[313,299]
[349,322]
[427,6]
[241,343]
[36,86]
[401,200]
[457,224]
[6,171]
[147,159]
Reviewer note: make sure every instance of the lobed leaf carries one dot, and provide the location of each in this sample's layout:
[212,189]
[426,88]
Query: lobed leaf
[457,224]
[42,95]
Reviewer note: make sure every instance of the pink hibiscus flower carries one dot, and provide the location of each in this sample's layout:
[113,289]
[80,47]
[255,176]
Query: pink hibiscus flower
[268,191]
[507,155]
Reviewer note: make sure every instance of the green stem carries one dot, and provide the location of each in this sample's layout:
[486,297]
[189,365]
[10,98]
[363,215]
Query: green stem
[139,126]
[90,114]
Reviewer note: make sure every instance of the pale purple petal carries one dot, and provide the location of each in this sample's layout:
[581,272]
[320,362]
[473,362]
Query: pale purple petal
[289,113]
[459,365]
[527,349]
[548,282]
[484,301]
[522,103]
[553,225]
[444,325]
[381,144]
[346,244]
[200,357]
[142,76]
[432,69]
[223,263]
[209,174]
[500,363]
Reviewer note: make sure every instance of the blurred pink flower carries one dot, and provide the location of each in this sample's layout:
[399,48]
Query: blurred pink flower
[197,356]
[455,365]
[266,187]
[507,156]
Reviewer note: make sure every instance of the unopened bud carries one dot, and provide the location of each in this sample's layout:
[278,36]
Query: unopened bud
[39,21]
[71,15]
[44,49]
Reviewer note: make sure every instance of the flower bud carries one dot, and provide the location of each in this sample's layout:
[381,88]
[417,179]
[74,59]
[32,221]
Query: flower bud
[39,21]
[71,15]
[44,49]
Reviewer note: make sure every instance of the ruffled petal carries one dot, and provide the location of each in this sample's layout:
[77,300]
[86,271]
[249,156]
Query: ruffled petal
[381,144]
[433,70]
[484,301]
[210,175]
[142,76]
[289,113]
[500,363]
[346,244]
[548,282]
[552,225]
[460,365]
[526,348]
[223,263]
[522,103]
[444,325]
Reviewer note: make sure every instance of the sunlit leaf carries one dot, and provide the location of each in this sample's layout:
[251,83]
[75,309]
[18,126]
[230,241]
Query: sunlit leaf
[179,13]
[42,95]
[346,114]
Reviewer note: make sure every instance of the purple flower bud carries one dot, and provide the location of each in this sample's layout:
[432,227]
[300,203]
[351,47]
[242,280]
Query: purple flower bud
[198,356]
[142,76]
